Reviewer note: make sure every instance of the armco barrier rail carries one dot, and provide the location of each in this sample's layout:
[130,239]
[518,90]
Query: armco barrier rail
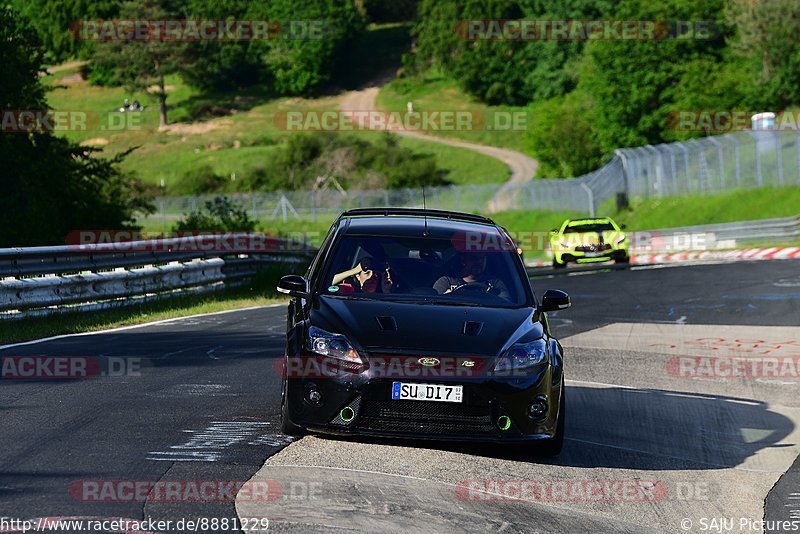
[721,235]
[46,280]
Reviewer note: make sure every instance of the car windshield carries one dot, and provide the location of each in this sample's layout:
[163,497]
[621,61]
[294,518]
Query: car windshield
[427,270]
[590,227]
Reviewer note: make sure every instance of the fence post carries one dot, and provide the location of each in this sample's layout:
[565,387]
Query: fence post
[720,162]
[779,156]
[624,159]
[797,146]
[590,194]
[759,176]
[737,157]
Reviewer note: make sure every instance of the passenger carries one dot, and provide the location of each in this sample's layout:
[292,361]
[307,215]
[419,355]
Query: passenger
[363,278]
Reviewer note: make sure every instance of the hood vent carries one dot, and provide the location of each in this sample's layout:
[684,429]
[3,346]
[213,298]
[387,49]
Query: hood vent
[472,328]
[387,323]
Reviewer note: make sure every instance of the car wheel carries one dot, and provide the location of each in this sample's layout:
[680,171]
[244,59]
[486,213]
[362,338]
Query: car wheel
[553,446]
[287,427]
[558,265]
[623,259]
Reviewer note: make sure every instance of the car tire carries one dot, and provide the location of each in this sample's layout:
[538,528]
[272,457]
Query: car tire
[558,265]
[553,446]
[287,427]
[625,260]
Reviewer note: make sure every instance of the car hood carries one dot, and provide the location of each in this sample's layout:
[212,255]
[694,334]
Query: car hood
[399,327]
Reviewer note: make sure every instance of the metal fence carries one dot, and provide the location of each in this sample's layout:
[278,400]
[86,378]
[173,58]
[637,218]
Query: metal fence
[703,166]
[37,281]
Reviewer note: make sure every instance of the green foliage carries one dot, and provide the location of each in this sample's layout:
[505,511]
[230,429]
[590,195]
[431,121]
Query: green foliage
[218,65]
[199,181]
[499,71]
[353,162]
[315,35]
[54,23]
[767,38]
[218,215]
[560,136]
[635,83]
[140,64]
[50,185]
[379,11]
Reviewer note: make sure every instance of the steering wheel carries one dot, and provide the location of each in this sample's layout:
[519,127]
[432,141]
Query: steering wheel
[471,286]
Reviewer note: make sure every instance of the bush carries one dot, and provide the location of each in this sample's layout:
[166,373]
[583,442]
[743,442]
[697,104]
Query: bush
[561,137]
[218,215]
[199,181]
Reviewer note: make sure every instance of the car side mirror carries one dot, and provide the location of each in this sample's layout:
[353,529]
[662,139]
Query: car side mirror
[622,226]
[293,285]
[554,300]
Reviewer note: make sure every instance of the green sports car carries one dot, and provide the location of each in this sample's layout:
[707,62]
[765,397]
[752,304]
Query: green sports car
[588,241]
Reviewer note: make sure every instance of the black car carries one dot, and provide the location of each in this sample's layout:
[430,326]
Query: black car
[422,324]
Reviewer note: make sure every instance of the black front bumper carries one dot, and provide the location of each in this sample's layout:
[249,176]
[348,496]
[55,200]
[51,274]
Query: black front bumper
[477,418]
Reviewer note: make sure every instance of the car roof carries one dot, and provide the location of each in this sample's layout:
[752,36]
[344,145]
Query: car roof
[412,222]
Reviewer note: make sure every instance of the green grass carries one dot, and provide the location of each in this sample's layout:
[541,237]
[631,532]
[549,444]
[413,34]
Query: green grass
[433,91]
[260,291]
[237,143]
[744,205]
[654,214]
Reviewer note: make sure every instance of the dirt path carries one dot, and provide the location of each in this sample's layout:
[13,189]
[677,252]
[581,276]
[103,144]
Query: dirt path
[522,167]
[66,66]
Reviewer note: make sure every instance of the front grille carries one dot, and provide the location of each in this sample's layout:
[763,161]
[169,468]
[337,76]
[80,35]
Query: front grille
[425,417]
[593,248]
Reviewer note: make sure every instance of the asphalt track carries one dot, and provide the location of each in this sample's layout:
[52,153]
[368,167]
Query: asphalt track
[653,441]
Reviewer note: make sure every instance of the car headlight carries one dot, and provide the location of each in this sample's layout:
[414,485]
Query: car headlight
[523,356]
[565,244]
[333,345]
[620,240]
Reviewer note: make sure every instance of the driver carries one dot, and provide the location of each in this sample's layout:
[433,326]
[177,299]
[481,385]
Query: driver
[473,274]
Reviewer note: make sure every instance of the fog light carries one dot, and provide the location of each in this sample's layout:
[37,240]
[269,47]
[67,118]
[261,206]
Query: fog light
[347,414]
[503,422]
[538,408]
[314,397]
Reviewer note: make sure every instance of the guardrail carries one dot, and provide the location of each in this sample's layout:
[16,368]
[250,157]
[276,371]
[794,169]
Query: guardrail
[720,236]
[39,281]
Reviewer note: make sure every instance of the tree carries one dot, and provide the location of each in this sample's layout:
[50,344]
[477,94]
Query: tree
[141,64]
[54,23]
[561,137]
[635,84]
[767,34]
[51,186]
[312,44]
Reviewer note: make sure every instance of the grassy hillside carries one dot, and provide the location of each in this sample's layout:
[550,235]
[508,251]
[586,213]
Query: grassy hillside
[233,133]
[433,91]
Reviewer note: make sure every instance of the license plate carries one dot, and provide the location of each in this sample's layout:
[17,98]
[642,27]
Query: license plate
[593,254]
[426,392]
